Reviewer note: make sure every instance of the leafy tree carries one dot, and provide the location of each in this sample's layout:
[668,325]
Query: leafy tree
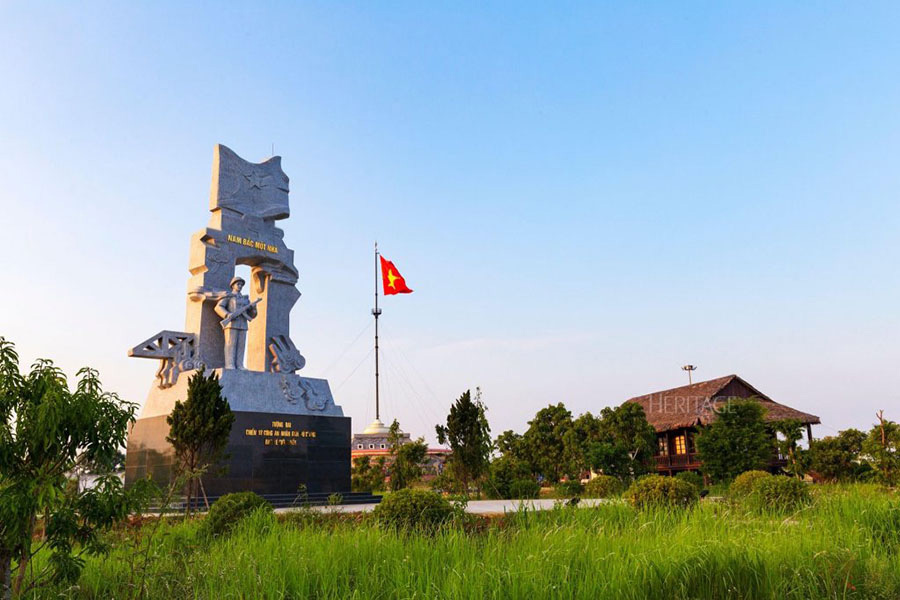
[469,435]
[509,443]
[47,431]
[366,475]
[609,458]
[198,430]
[836,458]
[737,441]
[882,446]
[543,443]
[619,442]
[406,466]
[586,430]
[627,442]
[791,432]
[504,471]
[89,468]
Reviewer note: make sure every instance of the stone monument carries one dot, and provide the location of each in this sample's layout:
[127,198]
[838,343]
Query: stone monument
[287,431]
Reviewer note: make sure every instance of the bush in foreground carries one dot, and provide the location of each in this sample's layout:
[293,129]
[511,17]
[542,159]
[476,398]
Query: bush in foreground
[742,486]
[660,491]
[225,513]
[603,486]
[695,479]
[524,489]
[410,509]
[778,494]
[568,489]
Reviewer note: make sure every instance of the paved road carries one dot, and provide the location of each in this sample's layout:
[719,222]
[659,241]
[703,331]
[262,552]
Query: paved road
[477,507]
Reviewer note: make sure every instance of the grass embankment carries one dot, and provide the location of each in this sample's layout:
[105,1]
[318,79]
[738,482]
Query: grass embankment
[847,545]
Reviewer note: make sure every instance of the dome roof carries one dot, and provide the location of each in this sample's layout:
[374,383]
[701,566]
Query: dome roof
[376,427]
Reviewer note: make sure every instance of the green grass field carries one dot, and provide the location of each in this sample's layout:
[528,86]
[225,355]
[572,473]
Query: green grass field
[846,545]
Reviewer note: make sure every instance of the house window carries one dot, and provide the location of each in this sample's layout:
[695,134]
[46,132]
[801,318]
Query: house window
[371,445]
[359,446]
[662,447]
[680,444]
[382,446]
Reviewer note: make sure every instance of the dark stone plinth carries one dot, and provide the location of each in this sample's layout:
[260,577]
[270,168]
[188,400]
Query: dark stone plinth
[268,454]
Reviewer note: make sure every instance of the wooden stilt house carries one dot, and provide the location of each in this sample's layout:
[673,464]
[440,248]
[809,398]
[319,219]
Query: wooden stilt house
[677,415]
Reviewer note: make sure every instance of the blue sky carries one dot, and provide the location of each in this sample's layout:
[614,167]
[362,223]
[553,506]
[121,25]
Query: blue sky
[584,196]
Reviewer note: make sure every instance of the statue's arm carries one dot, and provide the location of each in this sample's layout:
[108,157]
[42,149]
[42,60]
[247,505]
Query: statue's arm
[222,308]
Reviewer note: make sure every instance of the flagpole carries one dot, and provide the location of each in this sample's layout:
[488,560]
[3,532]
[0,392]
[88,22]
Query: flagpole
[375,312]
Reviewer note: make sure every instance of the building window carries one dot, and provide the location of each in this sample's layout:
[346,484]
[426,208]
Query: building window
[382,446]
[371,445]
[359,446]
[662,447]
[680,444]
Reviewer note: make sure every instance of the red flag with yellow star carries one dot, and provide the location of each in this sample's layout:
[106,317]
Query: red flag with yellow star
[392,279]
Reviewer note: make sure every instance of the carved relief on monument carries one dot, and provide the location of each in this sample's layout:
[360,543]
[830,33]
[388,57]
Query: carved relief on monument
[296,389]
[285,356]
[250,189]
[175,351]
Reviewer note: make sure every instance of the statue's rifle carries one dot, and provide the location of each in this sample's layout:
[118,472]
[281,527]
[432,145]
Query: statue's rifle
[239,312]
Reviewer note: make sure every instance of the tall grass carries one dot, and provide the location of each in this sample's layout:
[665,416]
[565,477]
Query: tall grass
[846,545]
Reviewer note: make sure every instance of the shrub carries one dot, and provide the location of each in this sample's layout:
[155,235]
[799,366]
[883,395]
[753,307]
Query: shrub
[524,489]
[413,509]
[657,490]
[778,494]
[503,472]
[695,479]
[225,513]
[742,485]
[603,486]
[568,489]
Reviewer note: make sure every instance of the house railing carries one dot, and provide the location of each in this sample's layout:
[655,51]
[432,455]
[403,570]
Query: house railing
[667,461]
[692,461]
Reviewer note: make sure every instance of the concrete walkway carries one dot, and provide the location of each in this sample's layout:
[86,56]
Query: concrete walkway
[476,507]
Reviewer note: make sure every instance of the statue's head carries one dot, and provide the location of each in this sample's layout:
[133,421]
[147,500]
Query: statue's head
[237,284]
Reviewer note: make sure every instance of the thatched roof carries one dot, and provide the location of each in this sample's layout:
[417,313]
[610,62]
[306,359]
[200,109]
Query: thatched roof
[697,404]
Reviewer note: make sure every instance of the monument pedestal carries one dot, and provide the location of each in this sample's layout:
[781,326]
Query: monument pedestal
[287,432]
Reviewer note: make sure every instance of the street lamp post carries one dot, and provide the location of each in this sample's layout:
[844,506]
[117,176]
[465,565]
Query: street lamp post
[689,369]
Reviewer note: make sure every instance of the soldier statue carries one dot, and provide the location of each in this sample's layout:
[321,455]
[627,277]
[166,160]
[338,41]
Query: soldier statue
[236,311]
